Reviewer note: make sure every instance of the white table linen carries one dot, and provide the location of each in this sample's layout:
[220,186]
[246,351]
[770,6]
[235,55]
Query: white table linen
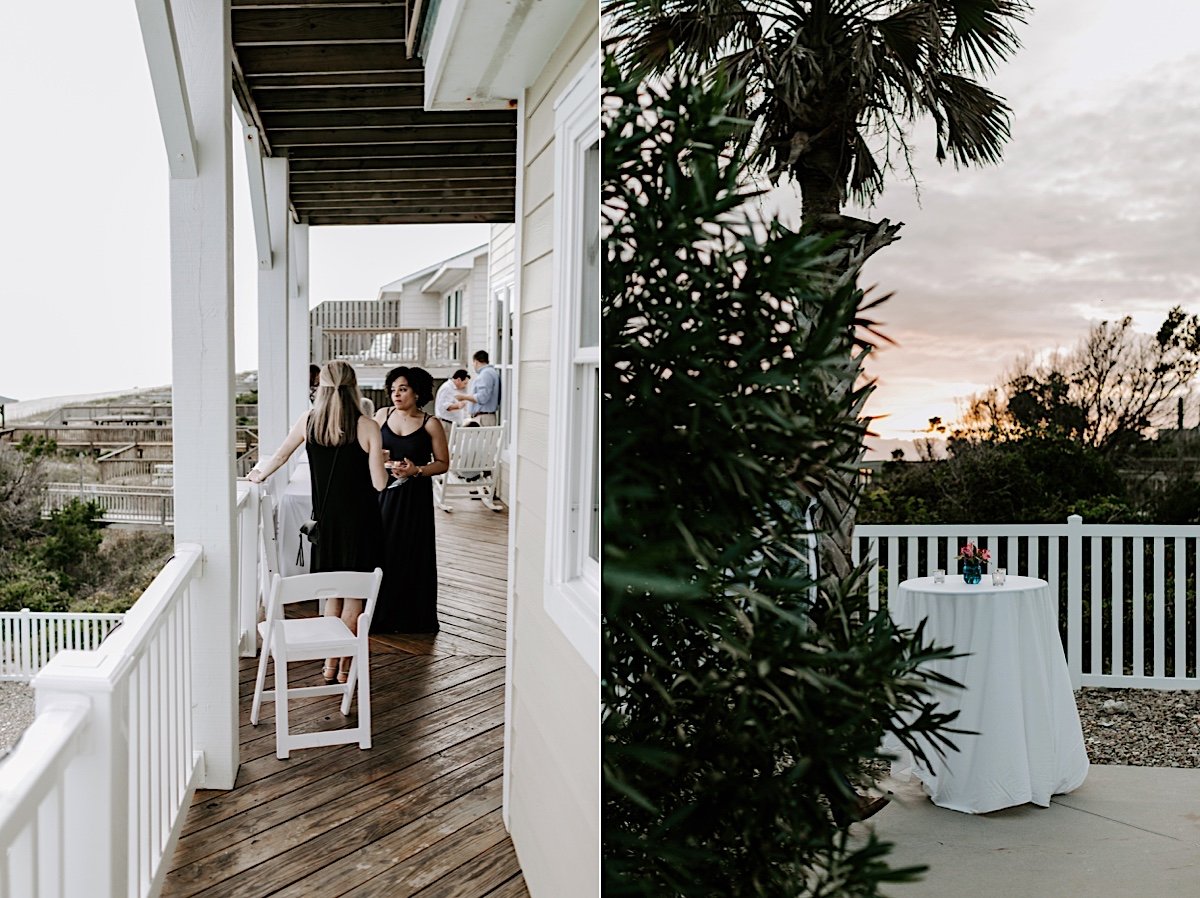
[1017,694]
[295,507]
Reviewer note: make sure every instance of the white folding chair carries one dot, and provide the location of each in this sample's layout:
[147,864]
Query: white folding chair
[474,463]
[317,638]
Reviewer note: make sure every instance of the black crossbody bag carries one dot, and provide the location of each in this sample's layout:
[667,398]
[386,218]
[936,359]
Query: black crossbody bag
[312,527]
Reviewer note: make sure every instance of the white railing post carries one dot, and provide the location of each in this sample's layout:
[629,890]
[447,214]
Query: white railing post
[1075,600]
[95,813]
[248,518]
[26,642]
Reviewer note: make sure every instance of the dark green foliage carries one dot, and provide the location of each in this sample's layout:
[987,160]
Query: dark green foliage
[738,699]
[1034,480]
[26,582]
[72,536]
[37,446]
[246,398]
[22,487]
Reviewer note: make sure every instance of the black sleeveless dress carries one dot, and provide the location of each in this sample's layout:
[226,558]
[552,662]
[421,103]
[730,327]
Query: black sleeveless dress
[346,504]
[408,596]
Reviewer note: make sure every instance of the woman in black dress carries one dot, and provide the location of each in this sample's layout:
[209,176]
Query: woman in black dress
[345,463]
[417,446]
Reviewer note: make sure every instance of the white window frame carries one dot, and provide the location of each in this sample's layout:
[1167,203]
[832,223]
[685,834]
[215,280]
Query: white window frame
[572,587]
[453,303]
[500,330]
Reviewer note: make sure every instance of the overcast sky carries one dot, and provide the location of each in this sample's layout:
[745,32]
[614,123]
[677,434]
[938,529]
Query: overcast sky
[1092,215]
[84,248]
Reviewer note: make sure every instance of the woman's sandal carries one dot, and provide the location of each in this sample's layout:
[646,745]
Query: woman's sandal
[343,676]
[329,674]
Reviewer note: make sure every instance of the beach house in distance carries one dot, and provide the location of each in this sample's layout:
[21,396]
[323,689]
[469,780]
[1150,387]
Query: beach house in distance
[437,317]
[394,112]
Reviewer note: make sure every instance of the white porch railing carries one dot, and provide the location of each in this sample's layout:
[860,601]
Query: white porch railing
[1126,594]
[29,639]
[429,347]
[94,795]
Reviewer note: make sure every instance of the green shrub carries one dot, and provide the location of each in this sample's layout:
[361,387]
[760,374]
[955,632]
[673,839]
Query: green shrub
[25,582]
[126,563]
[37,446]
[740,699]
[72,536]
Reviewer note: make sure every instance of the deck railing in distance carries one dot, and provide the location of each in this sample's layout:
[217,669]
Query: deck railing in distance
[126,413]
[427,347]
[29,639]
[1126,594]
[94,795]
[122,504]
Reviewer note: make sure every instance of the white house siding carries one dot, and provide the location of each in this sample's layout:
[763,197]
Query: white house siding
[554,807]
[419,309]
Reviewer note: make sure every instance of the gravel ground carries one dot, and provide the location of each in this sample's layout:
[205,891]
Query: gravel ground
[1141,727]
[1138,727]
[16,712]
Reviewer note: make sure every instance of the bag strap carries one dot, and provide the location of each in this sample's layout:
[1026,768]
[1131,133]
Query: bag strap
[328,481]
[324,499]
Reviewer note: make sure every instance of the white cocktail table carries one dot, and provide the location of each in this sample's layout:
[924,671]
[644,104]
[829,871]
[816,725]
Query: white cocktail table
[1017,694]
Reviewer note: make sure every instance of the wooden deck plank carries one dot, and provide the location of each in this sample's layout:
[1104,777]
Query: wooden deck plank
[419,812]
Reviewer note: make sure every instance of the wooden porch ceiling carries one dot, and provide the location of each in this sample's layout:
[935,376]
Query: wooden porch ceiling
[335,87]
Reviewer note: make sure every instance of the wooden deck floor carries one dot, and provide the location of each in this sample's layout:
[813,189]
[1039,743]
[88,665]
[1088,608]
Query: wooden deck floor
[416,815]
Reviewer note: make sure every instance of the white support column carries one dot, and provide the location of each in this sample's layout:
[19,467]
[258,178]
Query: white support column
[273,370]
[203,382]
[298,344]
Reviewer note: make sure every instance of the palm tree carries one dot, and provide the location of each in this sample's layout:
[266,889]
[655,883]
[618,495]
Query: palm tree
[831,89]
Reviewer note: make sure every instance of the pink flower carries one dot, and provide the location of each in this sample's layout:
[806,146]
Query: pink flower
[971,552]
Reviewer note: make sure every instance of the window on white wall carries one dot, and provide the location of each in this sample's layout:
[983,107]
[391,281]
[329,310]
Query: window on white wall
[573,513]
[500,350]
[453,307]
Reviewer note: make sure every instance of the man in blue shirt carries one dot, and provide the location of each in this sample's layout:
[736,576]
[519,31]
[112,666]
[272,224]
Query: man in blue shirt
[485,399]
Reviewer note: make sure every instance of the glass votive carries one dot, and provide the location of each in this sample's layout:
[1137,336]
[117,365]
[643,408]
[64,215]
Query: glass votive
[998,576]
[939,576]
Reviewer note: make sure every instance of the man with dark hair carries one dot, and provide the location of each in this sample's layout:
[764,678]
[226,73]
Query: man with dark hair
[445,405]
[314,375]
[485,399]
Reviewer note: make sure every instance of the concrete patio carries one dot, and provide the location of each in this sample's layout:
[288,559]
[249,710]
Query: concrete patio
[1127,831]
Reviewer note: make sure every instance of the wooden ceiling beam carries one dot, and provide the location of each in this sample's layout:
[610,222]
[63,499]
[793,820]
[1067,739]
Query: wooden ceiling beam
[328,25]
[388,209]
[339,120]
[505,186]
[309,5]
[322,219]
[386,166]
[436,194]
[323,99]
[379,142]
[325,59]
[405,175]
[293,81]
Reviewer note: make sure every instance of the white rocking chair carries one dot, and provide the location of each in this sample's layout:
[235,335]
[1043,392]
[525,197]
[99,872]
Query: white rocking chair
[317,638]
[474,464]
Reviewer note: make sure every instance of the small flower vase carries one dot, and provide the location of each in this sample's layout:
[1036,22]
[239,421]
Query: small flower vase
[972,572]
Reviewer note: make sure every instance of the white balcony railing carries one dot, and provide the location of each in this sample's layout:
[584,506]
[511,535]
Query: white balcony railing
[29,639]
[94,795]
[1126,594]
[427,347]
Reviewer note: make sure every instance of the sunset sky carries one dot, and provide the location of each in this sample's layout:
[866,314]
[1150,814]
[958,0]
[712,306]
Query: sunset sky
[1092,215]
